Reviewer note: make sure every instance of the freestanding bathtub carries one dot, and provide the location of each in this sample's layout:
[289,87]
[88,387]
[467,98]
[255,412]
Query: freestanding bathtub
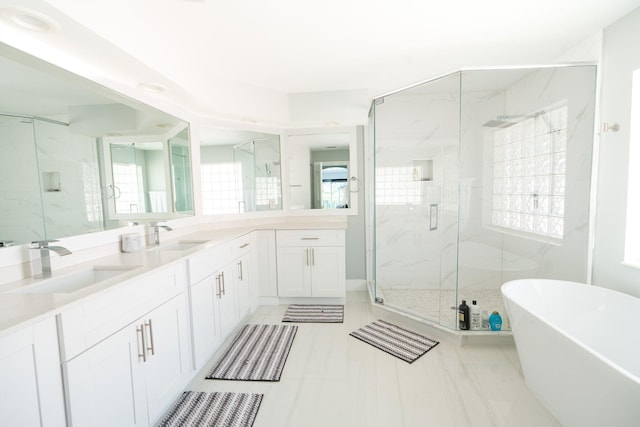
[579,348]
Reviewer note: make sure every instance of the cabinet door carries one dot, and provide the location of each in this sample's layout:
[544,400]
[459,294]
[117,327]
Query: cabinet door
[242,280]
[105,384]
[328,272]
[294,271]
[167,346]
[30,378]
[226,301]
[205,322]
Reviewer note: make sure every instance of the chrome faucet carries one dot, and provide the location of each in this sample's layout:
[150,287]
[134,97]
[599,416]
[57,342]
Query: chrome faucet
[45,260]
[156,233]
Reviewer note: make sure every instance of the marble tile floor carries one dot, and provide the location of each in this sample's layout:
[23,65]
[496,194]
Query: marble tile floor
[332,379]
[436,305]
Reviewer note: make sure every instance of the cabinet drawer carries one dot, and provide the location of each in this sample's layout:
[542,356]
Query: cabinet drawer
[208,261]
[241,245]
[97,318]
[310,237]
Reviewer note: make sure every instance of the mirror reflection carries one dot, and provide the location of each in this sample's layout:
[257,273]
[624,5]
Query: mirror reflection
[54,127]
[319,171]
[240,171]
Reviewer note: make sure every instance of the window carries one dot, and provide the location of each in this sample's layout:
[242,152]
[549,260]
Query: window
[632,235]
[529,173]
[266,190]
[128,197]
[395,186]
[222,188]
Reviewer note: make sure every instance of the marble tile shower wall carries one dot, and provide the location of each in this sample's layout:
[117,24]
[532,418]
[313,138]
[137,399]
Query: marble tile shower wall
[490,255]
[414,126]
[56,195]
[75,207]
[20,199]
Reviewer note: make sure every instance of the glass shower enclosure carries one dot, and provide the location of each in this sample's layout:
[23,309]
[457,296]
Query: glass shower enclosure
[479,177]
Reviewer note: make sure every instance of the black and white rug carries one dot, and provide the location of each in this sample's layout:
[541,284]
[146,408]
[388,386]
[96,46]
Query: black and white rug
[258,353]
[213,409]
[316,313]
[399,342]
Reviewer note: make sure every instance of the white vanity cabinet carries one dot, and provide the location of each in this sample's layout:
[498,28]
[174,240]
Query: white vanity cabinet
[132,376]
[214,311]
[30,377]
[311,263]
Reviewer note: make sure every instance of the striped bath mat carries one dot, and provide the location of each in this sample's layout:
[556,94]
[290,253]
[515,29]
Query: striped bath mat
[258,353]
[213,409]
[403,344]
[307,313]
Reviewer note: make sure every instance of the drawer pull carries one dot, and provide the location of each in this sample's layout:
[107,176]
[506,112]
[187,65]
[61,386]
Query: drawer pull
[310,238]
[244,246]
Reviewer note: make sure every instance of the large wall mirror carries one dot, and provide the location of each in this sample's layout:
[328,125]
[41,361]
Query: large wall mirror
[322,170]
[240,171]
[79,158]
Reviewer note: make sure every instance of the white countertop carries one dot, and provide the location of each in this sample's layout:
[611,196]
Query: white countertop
[18,310]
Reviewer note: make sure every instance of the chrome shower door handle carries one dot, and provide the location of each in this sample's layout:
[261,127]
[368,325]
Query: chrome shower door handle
[433,217]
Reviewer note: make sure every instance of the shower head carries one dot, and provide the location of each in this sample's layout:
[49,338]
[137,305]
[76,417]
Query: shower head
[510,120]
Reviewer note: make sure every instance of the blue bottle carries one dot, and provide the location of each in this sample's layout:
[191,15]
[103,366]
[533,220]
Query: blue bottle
[495,320]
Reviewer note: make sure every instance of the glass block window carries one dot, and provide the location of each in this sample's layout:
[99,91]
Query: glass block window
[221,188]
[266,190]
[129,195]
[395,186]
[529,174]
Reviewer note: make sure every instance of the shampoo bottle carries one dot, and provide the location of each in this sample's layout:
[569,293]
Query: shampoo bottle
[495,320]
[463,316]
[476,322]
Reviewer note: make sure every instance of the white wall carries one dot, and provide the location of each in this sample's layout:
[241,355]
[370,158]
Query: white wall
[621,57]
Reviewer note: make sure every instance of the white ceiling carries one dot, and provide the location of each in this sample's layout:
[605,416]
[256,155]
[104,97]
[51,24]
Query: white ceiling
[264,51]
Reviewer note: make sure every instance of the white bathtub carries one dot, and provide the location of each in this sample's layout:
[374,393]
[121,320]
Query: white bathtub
[579,347]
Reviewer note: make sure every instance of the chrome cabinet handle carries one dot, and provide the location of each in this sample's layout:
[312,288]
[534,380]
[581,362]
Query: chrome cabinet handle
[240,269]
[310,238]
[151,349]
[143,354]
[307,251]
[218,289]
[313,257]
[244,246]
[223,284]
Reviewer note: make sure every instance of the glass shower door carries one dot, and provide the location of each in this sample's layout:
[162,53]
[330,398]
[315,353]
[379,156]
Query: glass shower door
[416,199]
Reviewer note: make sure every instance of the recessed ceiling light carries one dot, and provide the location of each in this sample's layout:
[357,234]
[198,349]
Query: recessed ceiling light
[29,20]
[152,87]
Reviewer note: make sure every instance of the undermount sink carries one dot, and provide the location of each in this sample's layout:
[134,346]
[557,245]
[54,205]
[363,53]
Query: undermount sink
[182,245]
[75,281]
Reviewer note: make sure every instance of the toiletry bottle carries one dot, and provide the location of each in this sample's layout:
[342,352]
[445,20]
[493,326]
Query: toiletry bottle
[485,320]
[495,320]
[463,316]
[476,323]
